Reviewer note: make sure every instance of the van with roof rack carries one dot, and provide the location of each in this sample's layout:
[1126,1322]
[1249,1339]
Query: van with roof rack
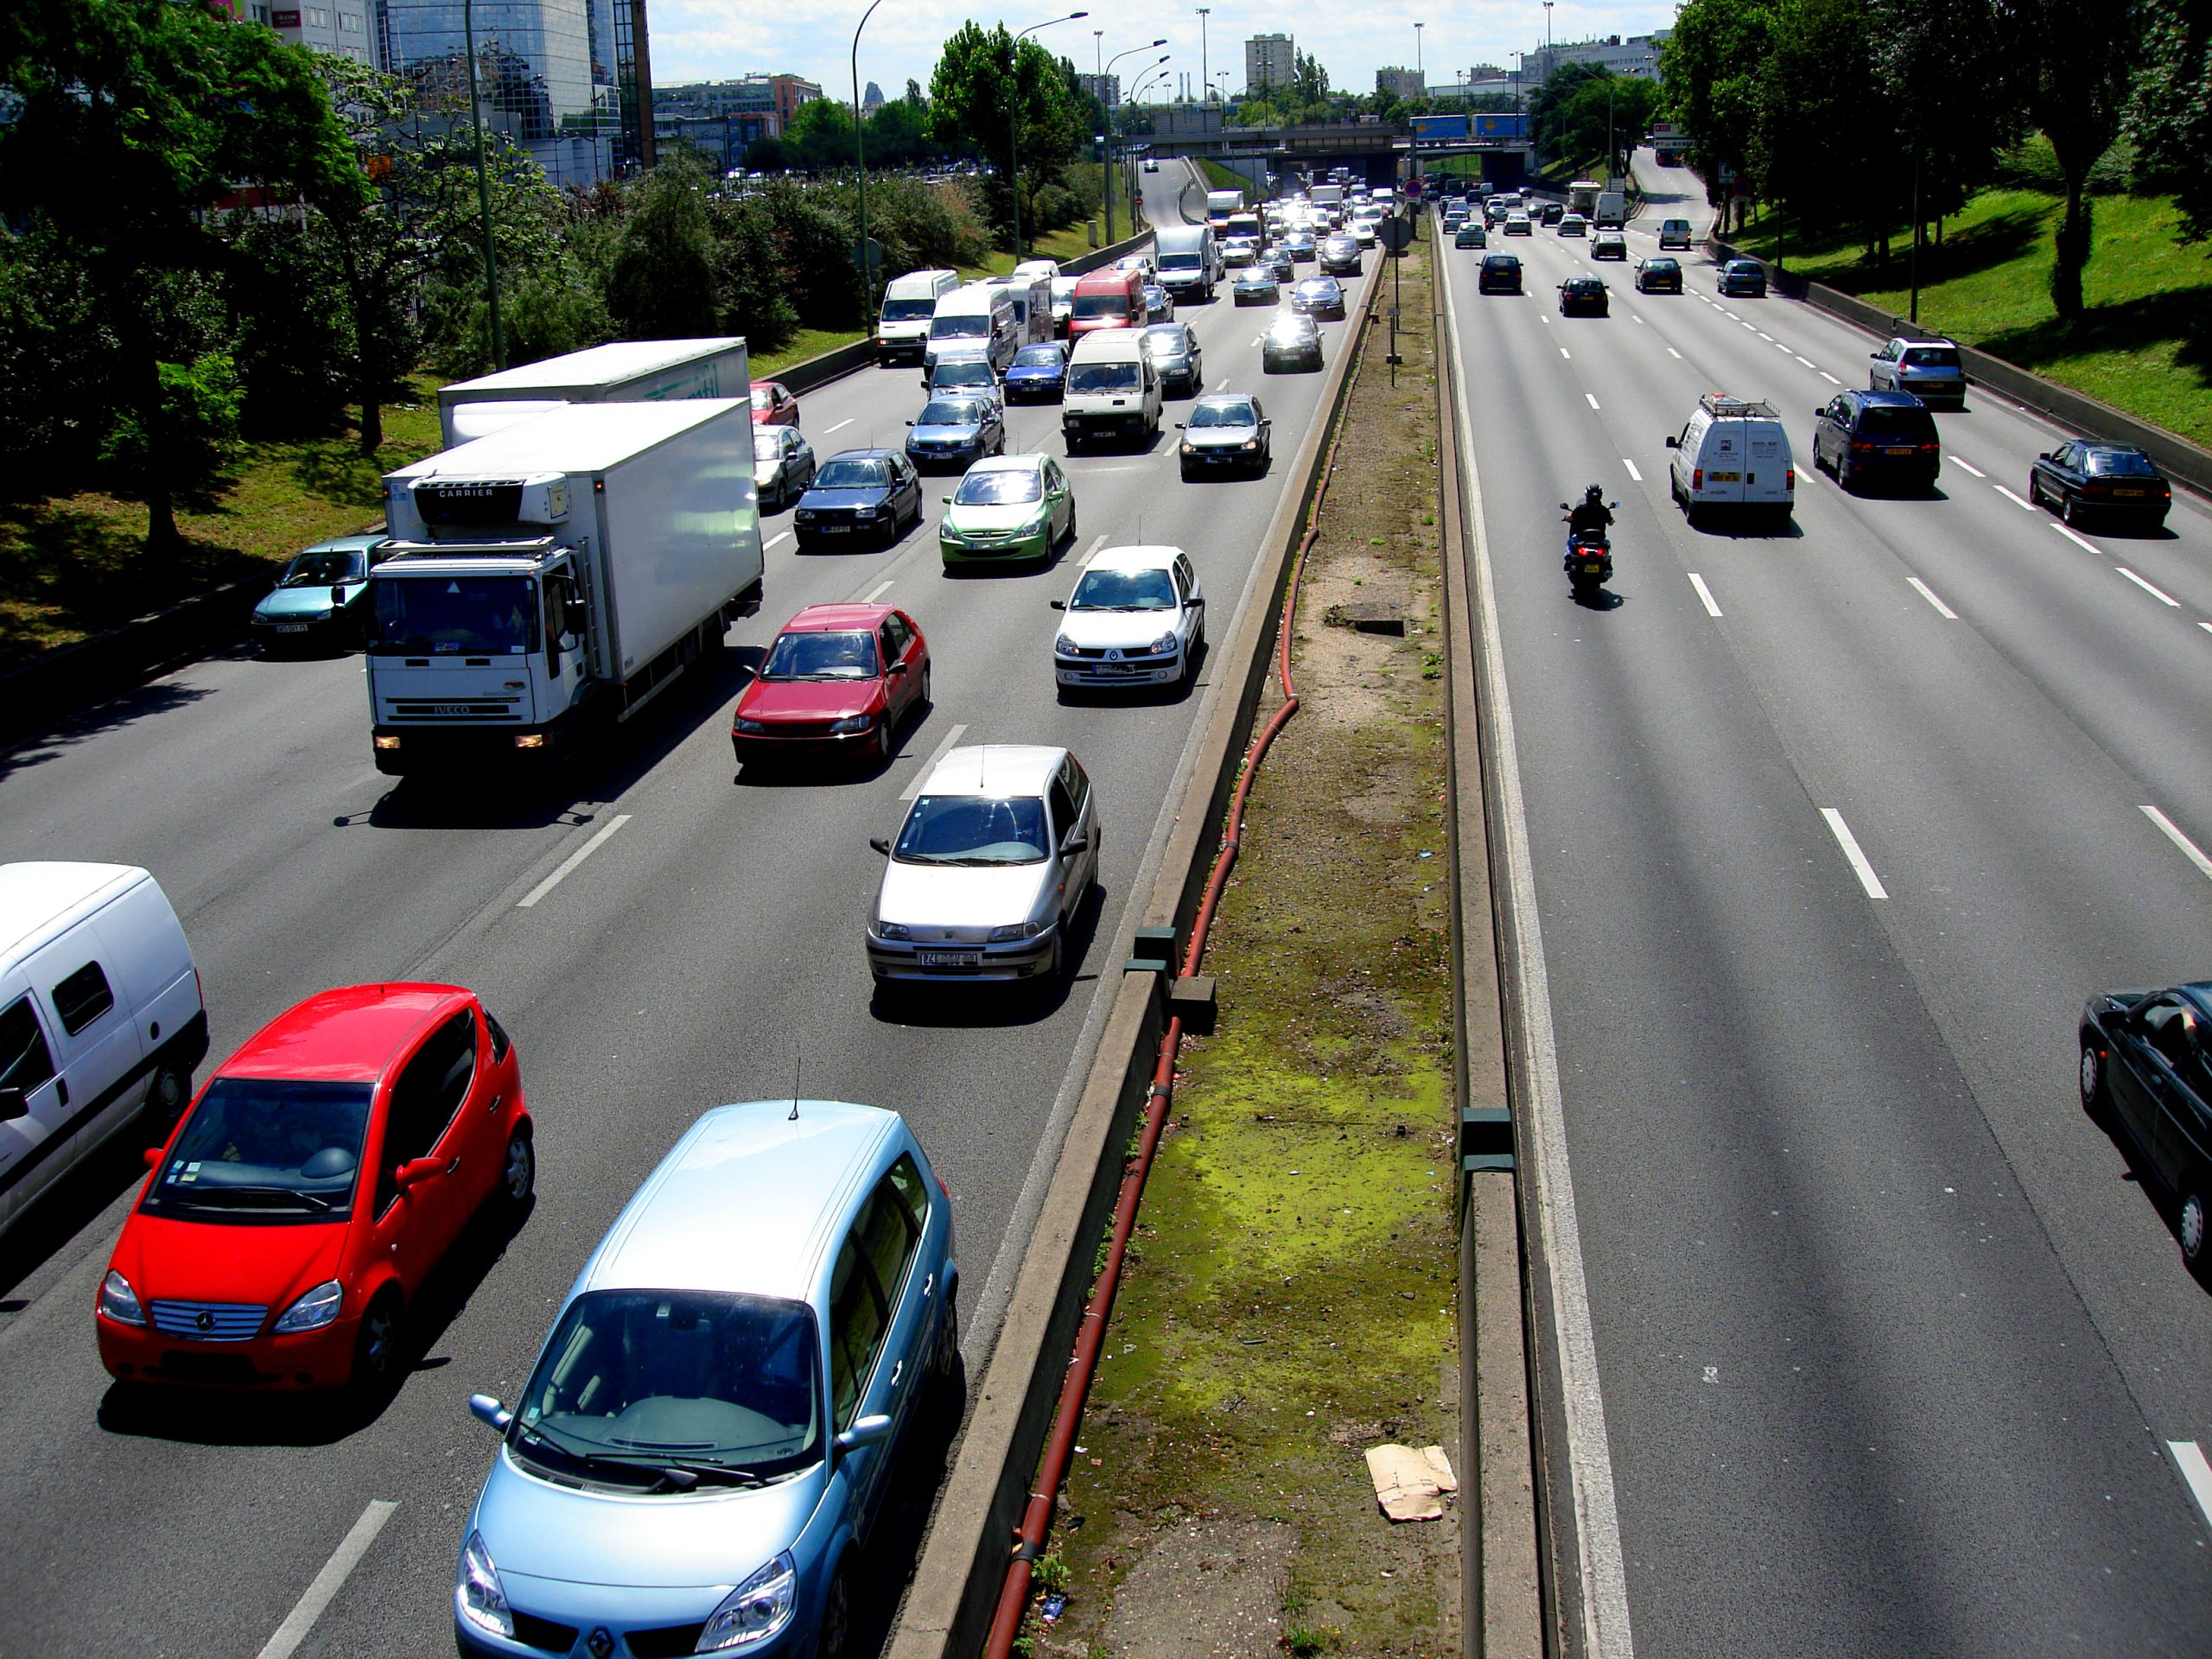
[1733,454]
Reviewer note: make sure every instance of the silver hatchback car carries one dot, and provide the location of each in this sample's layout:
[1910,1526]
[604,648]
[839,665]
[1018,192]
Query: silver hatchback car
[1929,369]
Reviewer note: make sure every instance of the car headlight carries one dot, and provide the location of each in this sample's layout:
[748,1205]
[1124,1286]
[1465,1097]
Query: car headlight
[863,512]
[805,516]
[1036,526]
[313,1309]
[753,1611]
[1188,447]
[478,1595]
[754,726]
[1250,443]
[1064,646]
[1016,930]
[891,929]
[852,724]
[1165,643]
[118,1301]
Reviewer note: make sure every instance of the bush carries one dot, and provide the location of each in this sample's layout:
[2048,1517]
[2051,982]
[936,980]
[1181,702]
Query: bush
[290,319]
[662,285]
[200,405]
[57,358]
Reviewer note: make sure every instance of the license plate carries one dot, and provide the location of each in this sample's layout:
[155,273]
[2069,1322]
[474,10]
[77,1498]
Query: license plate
[834,529]
[1725,477]
[1897,452]
[291,627]
[950,958]
[1117,668]
[1590,566]
[2128,493]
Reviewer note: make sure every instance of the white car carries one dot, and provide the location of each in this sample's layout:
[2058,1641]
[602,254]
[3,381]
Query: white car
[996,856]
[1136,617]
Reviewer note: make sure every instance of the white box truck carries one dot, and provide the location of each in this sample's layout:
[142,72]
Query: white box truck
[1189,260]
[1220,204]
[1612,208]
[550,580]
[627,371]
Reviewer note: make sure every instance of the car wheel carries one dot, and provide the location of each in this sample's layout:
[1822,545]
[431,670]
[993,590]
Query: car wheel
[167,1097]
[946,1368]
[2069,510]
[518,1171]
[2196,1248]
[1071,519]
[922,697]
[837,1630]
[376,1343]
[2095,1101]
[1845,474]
[879,750]
[2035,491]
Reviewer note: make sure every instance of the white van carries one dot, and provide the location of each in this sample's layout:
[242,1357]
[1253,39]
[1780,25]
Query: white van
[978,316]
[1734,453]
[100,1017]
[909,303]
[1112,389]
[1047,269]
[1033,305]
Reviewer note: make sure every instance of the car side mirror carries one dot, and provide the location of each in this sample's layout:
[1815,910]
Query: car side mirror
[336,594]
[910,422]
[946,499]
[14,1104]
[2045,456]
[1563,507]
[1075,844]
[897,668]
[865,1432]
[881,845]
[154,1157]
[1058,604]
[415,1171]
[1874,357]
[572,616]
[1196,602]
[1673,444]
[1179,426]
[488,1410]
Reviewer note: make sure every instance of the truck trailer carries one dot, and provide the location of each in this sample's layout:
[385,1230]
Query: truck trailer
[1220,204]
[550,580]
[628,371]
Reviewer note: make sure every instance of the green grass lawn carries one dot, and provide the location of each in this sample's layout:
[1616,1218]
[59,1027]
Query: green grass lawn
[1225,178]
[2146,345]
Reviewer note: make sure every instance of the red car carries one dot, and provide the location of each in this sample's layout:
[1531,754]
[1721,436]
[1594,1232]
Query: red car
[319,1177]
[774,404]
[838,677]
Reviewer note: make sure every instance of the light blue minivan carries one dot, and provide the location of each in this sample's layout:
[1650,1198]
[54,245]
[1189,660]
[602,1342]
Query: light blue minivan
[707,1436]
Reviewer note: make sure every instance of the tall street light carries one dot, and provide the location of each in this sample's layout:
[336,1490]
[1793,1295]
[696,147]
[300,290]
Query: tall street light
[1098,46]
[1013,119]
[483,189]
[859,157]
[1419,80]
[1206,79]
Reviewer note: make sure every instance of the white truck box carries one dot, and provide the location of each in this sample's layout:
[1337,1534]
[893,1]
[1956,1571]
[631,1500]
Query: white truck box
[626,371]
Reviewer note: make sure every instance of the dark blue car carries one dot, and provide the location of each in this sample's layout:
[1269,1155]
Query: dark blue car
[1743,278]
[859,494]
[1864,435]
[1040,374]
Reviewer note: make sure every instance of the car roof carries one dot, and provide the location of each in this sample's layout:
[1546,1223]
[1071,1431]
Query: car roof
[1141,558]
[36,897]
[1941,344]
[347,544]
[2099,447]
[1008,464]
[681,1231]
[350,1034]
[1874,399]
[864,455]
[836,618]
[994,769]
[1222,398]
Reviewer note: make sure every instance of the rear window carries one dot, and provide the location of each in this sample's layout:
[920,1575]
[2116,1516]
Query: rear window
[1037,357]
[2121,463]
[1932,357]
[1881,420]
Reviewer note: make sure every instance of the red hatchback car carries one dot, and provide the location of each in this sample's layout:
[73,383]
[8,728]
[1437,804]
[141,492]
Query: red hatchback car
[839,677]
[774,404]
[321,1174]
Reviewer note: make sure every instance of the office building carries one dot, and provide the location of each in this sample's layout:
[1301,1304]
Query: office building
[1269,60]
[1636,54]
[1107,89]
[344,26]
[1400,83]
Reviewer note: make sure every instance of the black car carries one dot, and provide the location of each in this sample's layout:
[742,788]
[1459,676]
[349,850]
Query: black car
[1582,296]
[956,432]
[858,493]
[1659,276]
[1319,297]
[1743,278]
[1860,435]
[1294,342]
[2146,1071]
[1553,213]
[1501,274]
[2110,480]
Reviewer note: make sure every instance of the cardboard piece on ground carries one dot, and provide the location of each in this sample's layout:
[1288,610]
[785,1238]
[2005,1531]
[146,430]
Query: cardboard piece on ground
[1409,1484]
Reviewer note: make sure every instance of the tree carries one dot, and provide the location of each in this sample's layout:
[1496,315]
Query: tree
[134,119]
[2077,55]
[663,285]
[821,131]
[1943,67]
[2171,116]
[1813,151]
[1710,69]
[984,76]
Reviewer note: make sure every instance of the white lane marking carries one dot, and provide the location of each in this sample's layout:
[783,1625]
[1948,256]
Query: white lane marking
[1830,378]
[877,591]
[1633,318]
[930,765]
[1752,327]
[569,863]
[2195,1470]
[2163,598]
[1632,473]
[1725,312]
[1222,384]
[2014,498]
[1091,552]
[839,427]
[1602,1569]
[776,542]
[2207,627]
[1761,334]
[1564,353]
[2189,850]
[1779,346]
[1929,594]
[1672,352]
[1807,361]
[1712,605]
[1849,843]
[328,1583]
[2081,541]
[1592,396]
[1972,470]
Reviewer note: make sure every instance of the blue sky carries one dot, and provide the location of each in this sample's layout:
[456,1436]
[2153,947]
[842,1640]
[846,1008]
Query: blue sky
[700,40]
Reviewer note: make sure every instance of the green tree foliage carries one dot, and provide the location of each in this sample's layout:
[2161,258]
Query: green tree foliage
[1710,71]
[662,284]
[2077,55]
[987,87]
[820,134]
[1813,149]
[1570,113]
[2171,119]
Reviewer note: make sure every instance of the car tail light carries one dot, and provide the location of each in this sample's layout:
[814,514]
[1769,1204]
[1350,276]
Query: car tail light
[1790,478]
[1697,478]
[1860,447]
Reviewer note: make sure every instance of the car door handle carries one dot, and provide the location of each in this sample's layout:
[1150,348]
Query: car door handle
[498,1101]
[929,1284]
[61,1090]
[897,1371]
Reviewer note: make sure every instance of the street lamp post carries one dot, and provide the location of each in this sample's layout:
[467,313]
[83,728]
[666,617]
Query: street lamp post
[1206,79]
[1014,118]
[483,189]
[1420,79]
[860,159]
[1103,67]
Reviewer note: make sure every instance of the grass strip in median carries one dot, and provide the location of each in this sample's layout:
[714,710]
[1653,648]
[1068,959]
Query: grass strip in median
[1288,1299]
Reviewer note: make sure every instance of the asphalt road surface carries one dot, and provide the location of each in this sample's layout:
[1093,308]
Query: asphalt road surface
[702,954]
[1830,832]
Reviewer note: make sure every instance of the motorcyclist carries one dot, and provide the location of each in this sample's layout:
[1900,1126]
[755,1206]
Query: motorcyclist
[1591,516]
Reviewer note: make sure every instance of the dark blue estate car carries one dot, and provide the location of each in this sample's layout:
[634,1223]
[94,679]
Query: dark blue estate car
[1863,436]
[861,492]
[1745,278]
[1039,374]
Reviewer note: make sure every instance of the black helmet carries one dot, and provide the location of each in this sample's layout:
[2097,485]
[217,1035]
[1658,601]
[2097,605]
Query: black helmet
[1594,495]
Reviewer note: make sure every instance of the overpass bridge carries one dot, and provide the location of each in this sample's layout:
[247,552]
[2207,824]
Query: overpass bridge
[1382,150]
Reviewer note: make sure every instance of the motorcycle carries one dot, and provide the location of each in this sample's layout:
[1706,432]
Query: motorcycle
[1589,562]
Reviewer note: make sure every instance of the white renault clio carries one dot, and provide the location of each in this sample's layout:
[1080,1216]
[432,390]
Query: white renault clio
[1136,617]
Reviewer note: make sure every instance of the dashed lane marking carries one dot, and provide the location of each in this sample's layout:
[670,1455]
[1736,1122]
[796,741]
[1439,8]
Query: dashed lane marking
[328,1583]
[1672,352]
[1632,473]
[529,900]
[1592,396]
[1972,470]
[1830,378]
[1807,361]
[1849,843]
[877,591]
[2162,597]
[929,766]
[1929,594]
[2014,498]
[2189,1457]
[1712,606]
[1563,352]
[2195,854]
[2081,541]
[839,427]
[776,542]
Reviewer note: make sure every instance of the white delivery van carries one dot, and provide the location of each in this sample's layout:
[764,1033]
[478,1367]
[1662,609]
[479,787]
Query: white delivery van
[909,302]
[1033,305]
[100,1017]
[1047,269]
[980,315]
[1734,453]
[1112,390]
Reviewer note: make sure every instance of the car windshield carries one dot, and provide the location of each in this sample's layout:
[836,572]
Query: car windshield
[763,397]
[634,1383]
[952,411]
[812,656]
[973,325]
[1932,357]
[768,445]
[1103,376]
[973,829]
[1038,357]
[319,567]
[1165,340]
[2120,463]
[1293,328]
[1112,304]
[1178,262]
[260,1149]
[1224,414]
[999,489]
[1257,276]
[852,475]
[468,616]
[1881,420]
[908,311]
[1124,590]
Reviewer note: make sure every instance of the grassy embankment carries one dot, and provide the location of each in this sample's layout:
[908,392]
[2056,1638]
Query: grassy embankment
[2145,345]
[1289,1297]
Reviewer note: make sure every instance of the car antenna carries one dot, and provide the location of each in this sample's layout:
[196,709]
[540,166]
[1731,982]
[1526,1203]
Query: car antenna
[799,1058]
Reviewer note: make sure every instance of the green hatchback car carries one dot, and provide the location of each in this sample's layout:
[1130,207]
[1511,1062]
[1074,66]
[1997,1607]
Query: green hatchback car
[1007,508]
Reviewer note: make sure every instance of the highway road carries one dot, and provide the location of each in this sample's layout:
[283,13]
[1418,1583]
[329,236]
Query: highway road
[1829,833]
[708,950]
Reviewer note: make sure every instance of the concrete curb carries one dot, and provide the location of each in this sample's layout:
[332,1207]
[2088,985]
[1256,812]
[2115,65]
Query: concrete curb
[2184,463]
[963,1560]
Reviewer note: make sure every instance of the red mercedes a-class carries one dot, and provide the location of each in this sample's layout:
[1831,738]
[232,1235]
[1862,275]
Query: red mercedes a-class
[321,1174]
